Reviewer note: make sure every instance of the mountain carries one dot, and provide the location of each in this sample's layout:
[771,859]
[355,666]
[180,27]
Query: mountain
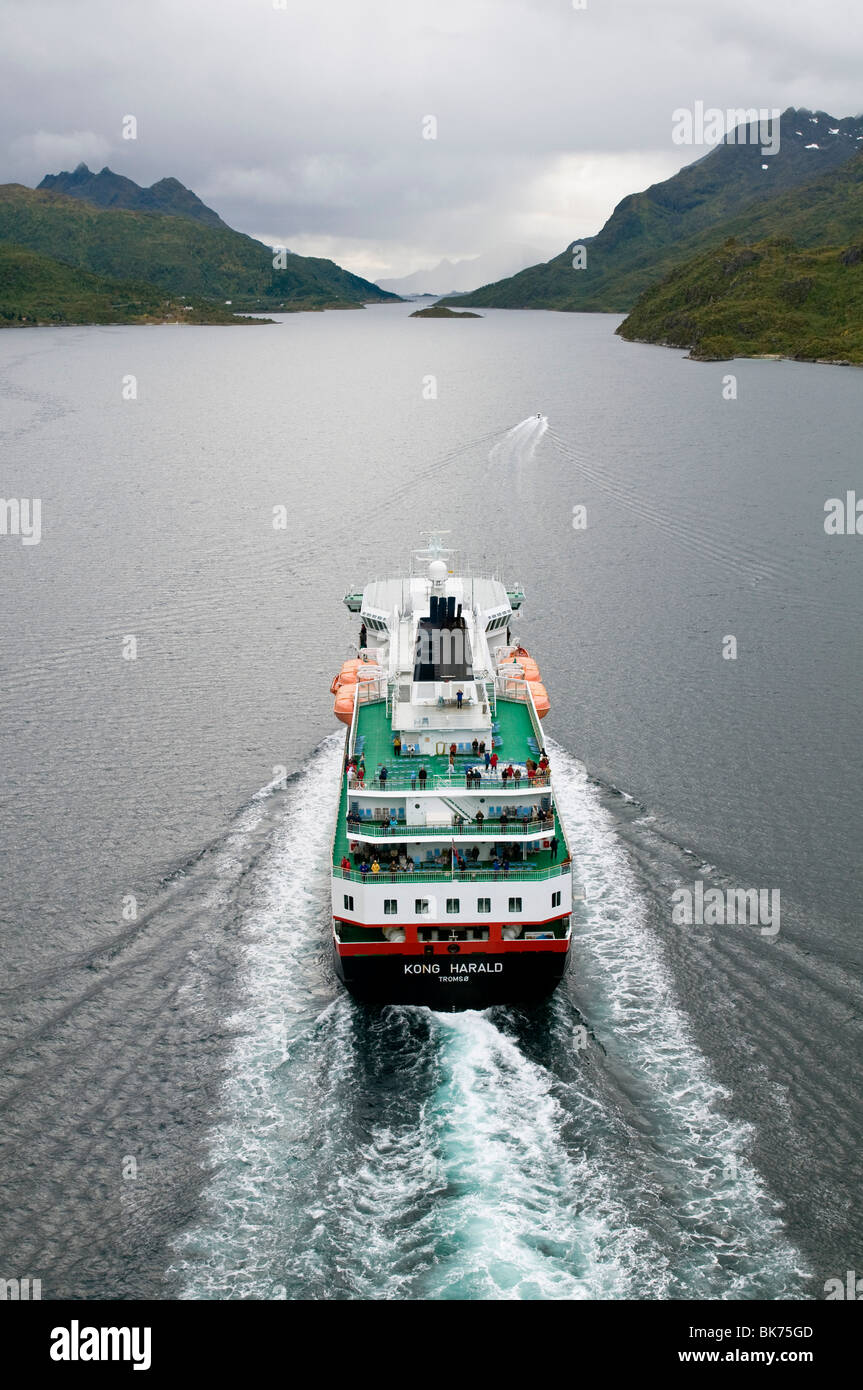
[109,190]
[649,233]
[179,254]
[454,277]
[37,289]
[745,301]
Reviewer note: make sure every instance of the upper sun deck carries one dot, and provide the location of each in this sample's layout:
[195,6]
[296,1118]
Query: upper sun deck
[512,736]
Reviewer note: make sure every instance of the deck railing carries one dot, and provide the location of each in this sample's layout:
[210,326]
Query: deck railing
[490,828]
[443,876]
[490,783]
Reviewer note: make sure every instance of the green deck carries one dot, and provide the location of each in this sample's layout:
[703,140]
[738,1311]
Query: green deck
[373,724]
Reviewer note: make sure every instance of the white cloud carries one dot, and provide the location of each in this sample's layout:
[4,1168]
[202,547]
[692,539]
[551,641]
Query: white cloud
[307,120]
[52,150]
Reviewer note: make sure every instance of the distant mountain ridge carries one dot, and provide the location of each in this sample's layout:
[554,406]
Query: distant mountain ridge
[109,190]
[649,233]
[183,255]
[456,277]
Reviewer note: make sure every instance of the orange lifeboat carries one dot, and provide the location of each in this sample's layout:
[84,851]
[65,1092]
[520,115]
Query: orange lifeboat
[343,705]
[527,665]
[540,698]
[347,675]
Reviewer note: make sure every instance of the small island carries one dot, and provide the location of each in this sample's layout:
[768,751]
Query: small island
[438,311]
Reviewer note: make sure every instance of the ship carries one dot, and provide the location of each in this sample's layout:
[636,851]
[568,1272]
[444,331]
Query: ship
[452,877]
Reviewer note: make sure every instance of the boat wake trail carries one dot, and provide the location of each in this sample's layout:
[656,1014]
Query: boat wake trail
[519,445]
[582,1150]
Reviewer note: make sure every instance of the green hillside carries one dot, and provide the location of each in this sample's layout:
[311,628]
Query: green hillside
[36,289]
[178,254]
[727,192]
[746,301]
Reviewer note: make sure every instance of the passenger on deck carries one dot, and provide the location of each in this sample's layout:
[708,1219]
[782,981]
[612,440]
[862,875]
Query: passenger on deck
[487,757]
[459,696]
[345,865]
[482,745]
[376,868]
[422,776]
[555,846]
[394,824]
[382,776]
[479,817]
[364,867]
[494,760]
[475,746]
[397,746]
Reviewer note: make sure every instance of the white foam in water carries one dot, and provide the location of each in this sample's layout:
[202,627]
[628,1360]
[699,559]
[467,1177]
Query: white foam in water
[284,984]
[731,1242]
[417,1155]
[524,1218]
[519,445]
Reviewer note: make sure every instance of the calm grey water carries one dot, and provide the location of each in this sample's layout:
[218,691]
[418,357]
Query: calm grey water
[706,1141]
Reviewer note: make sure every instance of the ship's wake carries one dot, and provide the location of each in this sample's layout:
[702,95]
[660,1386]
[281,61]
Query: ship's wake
[519,445]
[580,1151]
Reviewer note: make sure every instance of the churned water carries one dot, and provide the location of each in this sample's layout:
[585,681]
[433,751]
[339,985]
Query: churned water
[191,1106]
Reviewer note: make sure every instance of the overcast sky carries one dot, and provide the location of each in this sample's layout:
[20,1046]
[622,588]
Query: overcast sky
[303,125]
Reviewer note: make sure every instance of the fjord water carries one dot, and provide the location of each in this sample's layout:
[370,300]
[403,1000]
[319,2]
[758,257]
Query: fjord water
[683,1118]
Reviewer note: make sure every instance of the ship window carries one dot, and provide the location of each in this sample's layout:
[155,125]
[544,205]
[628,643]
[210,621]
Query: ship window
[391,906]
[483,904]
[421,907]
[555,900]
[349,903]
[452,905]
[515,904]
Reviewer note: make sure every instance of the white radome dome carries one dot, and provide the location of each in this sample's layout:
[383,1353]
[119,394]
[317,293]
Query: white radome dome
[437,571]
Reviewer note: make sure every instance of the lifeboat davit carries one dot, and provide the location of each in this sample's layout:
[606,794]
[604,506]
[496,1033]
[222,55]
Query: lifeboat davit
[540,698]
